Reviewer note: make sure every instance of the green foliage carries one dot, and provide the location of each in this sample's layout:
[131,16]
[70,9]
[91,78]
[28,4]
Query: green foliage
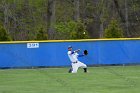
[113,30]
[71,30]
[41,35]
[4,36]
[24,16]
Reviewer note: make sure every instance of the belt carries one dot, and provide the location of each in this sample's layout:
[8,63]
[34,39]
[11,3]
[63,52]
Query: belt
[75,62]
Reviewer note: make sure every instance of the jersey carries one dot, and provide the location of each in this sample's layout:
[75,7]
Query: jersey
[73,56]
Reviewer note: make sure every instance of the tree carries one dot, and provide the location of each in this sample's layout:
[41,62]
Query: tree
[5,7]
[21,18]
[4,36]
[41,35]
[80,31]
[113,30]
[51,18]
[76,12]
[126,19]
[101,19]
[71,30]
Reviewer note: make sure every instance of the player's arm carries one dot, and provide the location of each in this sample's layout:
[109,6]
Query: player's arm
[81,55]
[84,53]
[74,52]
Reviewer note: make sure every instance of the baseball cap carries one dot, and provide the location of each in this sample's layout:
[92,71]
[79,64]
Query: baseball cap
[69,46]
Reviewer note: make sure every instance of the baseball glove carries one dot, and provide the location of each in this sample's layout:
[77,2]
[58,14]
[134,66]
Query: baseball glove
[85,52]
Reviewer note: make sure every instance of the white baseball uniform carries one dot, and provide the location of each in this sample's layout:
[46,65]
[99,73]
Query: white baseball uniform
[73,56]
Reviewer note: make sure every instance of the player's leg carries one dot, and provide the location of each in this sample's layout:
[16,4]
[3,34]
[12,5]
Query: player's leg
[85,70]
[82,65]
[70,70]
[74,67]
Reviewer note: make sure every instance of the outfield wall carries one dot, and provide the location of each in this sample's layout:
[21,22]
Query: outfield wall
[54,53]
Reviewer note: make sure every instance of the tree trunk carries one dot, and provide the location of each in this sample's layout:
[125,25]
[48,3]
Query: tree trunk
[126,19]
[51,19]
[76,12]
[101,30]
[6,19]
[101,33]
[119,10]
[83,10]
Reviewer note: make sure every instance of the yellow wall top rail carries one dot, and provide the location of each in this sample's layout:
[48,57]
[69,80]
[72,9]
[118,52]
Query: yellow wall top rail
[77,40]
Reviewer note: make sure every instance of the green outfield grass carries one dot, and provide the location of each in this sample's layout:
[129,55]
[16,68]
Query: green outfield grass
[107,79]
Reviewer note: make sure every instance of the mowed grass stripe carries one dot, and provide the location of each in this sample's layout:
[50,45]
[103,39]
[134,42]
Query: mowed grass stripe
[107,79]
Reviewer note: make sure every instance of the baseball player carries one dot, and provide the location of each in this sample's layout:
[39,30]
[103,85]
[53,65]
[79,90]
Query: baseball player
[75,63]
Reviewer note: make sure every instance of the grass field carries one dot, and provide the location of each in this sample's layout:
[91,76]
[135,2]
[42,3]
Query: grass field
[107,79]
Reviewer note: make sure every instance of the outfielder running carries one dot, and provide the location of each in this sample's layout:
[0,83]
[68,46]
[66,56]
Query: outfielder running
[75,63]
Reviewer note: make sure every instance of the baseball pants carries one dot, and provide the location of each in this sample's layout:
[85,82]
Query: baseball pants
[75,66]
